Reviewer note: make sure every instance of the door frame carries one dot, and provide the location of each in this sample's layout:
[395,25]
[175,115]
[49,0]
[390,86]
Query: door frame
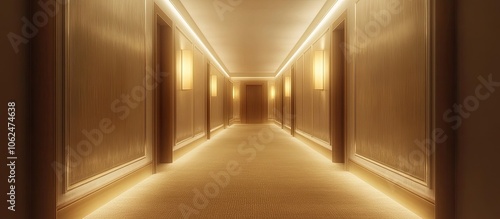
[339,148]
[163,108]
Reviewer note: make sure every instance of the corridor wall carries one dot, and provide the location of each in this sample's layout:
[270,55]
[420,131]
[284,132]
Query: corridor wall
[287,91]
[271,100]
[104,95]
[312,106]
[392,135]
[191,104]
[95,119]
[216,98]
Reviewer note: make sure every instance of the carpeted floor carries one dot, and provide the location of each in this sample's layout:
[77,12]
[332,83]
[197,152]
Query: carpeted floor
[252,171]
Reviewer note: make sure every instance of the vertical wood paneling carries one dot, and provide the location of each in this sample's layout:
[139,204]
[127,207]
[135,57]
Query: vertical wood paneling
[299,93]
[287,113]
[390,79]
[217,103]
[321,98]
[104,84]
[307,83]
[236,101]
[184,103]
[271,99]
[312,106]
[279,100]
[199,88]
[230,101]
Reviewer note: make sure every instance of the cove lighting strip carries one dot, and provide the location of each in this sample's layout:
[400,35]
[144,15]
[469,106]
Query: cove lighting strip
[191,31]
[311,36]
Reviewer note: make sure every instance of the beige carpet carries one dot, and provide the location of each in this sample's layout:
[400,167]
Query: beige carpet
[262,173]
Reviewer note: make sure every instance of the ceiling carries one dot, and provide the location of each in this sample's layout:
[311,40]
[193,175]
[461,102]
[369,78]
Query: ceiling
[252,38]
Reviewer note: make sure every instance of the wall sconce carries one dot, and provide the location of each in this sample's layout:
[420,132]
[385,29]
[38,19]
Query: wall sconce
[273,92]
[213,85]
[186,69]
[319,70]
[288,86]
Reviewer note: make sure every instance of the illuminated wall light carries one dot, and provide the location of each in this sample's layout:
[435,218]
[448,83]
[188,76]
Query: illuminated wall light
[187,69]
[319,70]
[288,86]
[235,92]
[273,92]
[313,34]
[213,85]
[196,37]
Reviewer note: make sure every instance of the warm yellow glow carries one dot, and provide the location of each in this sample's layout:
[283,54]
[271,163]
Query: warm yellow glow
[213,85]
[193,33]
[273,92]
[288,86]
[321,26]
[187,69]
[319,70]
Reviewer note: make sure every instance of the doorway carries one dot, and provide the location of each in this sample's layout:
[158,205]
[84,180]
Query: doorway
[338,94]
[164,92]
[254,104]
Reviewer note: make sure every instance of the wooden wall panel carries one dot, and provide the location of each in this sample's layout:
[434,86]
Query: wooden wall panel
[105,72]
[390,76]
[287,113]
[217,102]
[279,100]
[184,99]
[200,93]
[229,102]
[299,93]
[271,99]
[307,83]
[312,107]
[236,101]
[321,98]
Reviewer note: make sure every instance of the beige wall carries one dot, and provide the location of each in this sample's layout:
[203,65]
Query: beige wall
[271,95]
[190,117]
[389,100]
[103,95]
[229,105]
[312,106]
[287,98]
[217,102]
[391,89]
[236,101]
[101,76]
[278,112]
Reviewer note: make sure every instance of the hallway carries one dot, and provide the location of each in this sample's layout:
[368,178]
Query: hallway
[252,171]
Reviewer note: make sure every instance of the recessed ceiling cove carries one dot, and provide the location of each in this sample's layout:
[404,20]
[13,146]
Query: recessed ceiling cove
[252,37]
